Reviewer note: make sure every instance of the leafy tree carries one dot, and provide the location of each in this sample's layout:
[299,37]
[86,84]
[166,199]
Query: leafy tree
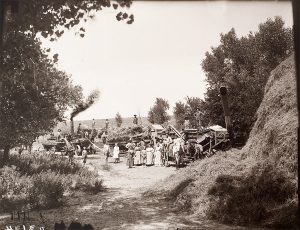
[33,94]
[119,119]
[51,17]
[36,94]
[158,113]
[243,66]
[187,110]
[179,112]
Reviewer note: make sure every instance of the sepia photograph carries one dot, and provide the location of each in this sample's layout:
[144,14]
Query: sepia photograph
[148,115]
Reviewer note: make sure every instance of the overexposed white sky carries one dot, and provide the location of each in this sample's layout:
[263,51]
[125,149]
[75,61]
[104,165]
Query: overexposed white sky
[159,55]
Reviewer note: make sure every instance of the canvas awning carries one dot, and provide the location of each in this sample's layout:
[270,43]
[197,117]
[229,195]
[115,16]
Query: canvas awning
[157,127]
[217,128]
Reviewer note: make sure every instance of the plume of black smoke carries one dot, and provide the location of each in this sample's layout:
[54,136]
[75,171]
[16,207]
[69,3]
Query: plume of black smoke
[91,99]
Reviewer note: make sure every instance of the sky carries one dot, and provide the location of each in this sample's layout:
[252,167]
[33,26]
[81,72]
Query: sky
[159,55]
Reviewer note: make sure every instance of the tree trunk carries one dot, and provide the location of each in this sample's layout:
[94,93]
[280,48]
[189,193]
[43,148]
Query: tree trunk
[5,155]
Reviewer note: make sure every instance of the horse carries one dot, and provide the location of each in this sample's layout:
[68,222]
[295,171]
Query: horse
[178,154]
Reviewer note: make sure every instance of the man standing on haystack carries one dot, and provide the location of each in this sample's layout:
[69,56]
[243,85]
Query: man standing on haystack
[93,124]
[135,120]
[106,124]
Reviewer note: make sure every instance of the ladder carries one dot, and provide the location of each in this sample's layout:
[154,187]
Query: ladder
[175,131]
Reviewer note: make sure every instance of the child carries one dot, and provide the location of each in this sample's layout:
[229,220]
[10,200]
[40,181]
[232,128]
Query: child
[116,153]
[84,155]
[106,151]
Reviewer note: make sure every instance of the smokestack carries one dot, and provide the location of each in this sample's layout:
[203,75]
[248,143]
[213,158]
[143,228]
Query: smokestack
[72,125]
[91,99]
[224,98]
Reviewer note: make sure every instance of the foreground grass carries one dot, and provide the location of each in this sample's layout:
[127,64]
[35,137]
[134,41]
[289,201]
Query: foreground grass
[39,181]
[233,189]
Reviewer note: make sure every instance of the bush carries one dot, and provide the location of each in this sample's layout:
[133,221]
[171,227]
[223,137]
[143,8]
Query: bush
[106,167]
[36,181]
[47,190]
[87,181]
[36,163]
[13,190]
[250,199]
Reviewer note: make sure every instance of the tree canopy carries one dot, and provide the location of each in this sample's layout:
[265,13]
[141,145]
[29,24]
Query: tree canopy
[51,17]
[243,66]
[35,94]
[158,113]
[187,110]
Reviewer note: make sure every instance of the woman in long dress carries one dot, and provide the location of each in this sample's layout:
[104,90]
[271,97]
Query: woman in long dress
[116,153]
[143,154]
[158,158]
[137,155]
[149,153]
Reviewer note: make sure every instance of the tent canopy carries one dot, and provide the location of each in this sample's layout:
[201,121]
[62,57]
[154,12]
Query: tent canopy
[217,128]
[157,127]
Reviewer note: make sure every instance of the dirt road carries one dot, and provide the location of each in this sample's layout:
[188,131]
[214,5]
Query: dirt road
[122,205]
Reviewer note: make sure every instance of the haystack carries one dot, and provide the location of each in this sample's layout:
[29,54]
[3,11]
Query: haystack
[274,135]
[266,164]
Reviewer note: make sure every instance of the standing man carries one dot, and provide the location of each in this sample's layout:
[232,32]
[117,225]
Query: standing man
[106,151]
[58,134]
[84,155]
[104,137]
[130,146]
[79,128]
[106,124]
[135,120]
[198,118]
[93,124]
[94,131]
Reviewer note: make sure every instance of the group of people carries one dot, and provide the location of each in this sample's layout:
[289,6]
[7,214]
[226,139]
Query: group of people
[144,154]
[155,153]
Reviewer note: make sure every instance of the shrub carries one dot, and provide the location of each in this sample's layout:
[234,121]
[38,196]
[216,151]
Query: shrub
[106,167]
[39,181]
[13,190]
[87,181]
[250,199]
[47,190]
[36,163]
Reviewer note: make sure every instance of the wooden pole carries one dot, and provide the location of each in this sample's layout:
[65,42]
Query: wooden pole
[2,29]
[224,98]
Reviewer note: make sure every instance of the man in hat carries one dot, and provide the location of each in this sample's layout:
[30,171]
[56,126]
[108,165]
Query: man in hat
[93,124]
[135,120]
[198,117]
[106,124]
[104,137]
[58,134]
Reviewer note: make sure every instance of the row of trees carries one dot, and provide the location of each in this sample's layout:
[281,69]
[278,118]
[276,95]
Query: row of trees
[186,109]
[243,65]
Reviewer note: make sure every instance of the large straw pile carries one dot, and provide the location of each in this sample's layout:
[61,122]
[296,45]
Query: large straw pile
[274,135]
[256,185]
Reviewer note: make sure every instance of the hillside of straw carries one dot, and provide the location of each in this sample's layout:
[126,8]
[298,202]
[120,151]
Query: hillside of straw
[254,186]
